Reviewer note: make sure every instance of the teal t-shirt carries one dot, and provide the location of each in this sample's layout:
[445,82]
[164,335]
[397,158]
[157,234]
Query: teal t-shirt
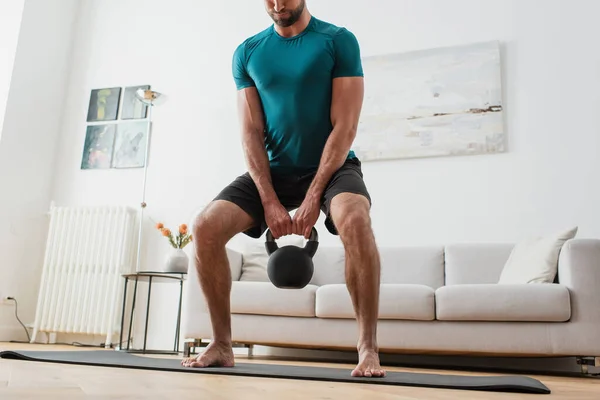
[294,79]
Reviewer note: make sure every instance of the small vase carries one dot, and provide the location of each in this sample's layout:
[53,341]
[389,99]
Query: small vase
[177,261]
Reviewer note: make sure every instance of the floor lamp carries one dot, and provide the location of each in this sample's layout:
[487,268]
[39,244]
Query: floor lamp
[150,98]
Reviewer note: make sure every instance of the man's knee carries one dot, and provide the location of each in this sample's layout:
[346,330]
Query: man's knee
[218,223]
[351,216]
[203,230]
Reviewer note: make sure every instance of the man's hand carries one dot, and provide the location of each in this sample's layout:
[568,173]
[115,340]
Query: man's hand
[278,219]
[306,216]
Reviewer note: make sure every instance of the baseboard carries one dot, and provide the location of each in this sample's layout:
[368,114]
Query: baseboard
[9,333]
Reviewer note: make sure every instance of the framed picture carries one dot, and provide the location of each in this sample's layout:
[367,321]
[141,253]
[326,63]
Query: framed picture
[98,147]
[433,103]
[130,145]
[104,104]
[132,107]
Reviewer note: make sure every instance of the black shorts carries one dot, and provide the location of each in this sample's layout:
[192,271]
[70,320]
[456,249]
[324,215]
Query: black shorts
[291,190]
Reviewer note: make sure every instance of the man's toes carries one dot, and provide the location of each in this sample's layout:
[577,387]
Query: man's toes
[188,362]
[378,373]
[197,364]
[357,373]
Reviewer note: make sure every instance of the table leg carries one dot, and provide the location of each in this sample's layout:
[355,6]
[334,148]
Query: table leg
[132,312]
[123,313]
[176,348]
[147,312]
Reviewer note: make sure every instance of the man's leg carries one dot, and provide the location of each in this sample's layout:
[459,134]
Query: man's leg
[235,210]
[347,204]
[350,214]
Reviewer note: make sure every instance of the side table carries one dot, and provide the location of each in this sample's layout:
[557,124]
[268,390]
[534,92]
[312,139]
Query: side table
[150,277]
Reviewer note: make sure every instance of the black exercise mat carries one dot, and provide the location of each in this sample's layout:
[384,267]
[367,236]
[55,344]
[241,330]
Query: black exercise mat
[104,358]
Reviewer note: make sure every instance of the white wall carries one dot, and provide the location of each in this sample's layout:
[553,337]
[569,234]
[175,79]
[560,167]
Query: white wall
[551,92]
[552,89]
[28,148]
[10,22]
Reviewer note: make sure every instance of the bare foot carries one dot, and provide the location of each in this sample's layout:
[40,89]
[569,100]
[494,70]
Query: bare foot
[368,365]
[215,355]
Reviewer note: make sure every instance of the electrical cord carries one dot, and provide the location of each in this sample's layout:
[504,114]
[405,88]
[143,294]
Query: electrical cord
[18,319]
[66,344]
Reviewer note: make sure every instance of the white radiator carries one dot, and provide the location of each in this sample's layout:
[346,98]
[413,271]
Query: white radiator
[87,250]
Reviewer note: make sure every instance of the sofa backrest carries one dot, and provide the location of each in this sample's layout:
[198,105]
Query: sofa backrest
[433,266]
[475,263]
[410,265]
[422,265]
[329,264]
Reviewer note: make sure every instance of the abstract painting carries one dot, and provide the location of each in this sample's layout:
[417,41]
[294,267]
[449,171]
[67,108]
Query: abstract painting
[98,147]
[430,103]
[130,145]
[132,107]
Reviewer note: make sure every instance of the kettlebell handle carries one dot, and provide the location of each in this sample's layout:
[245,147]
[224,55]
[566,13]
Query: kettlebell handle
[310,247]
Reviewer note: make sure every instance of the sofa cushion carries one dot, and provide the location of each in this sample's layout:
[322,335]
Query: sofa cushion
[255,257]
[535,259]
[468,263]
[265,299]
[494,302]
[418,265]
[397,301]
[404,264]
[330,265]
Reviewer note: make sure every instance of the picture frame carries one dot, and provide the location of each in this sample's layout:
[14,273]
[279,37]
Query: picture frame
[132,108]
[104,104]
[98,147]
[131,139]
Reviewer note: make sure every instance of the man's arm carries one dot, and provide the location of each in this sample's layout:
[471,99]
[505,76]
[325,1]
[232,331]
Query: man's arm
[251,117]
[346,105]
[253,141]
[347,100]
[253,137]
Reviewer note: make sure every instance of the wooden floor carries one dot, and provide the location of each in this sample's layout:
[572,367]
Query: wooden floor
[21,379]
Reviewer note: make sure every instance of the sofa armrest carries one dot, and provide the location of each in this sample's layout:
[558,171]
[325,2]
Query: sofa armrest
[579,271]
[235,263]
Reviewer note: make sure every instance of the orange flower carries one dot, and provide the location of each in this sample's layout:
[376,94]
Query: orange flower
[183,229]
[159,226]
[166,232]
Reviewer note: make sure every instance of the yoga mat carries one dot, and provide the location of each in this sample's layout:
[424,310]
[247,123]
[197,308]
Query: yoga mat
[104,358]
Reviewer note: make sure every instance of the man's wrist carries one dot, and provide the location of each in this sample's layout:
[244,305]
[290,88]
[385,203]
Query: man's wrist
[314,195]
[268,201]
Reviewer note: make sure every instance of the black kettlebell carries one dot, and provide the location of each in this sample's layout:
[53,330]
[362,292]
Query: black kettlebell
[291,267]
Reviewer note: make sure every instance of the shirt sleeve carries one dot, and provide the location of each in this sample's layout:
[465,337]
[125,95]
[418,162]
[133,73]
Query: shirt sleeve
[240,73]
[347,55]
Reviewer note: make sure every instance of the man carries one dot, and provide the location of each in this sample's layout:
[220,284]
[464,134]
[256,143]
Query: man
[300,93]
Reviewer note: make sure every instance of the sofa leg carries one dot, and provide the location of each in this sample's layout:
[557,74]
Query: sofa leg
[187,349]
[190,346]
[586,362]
